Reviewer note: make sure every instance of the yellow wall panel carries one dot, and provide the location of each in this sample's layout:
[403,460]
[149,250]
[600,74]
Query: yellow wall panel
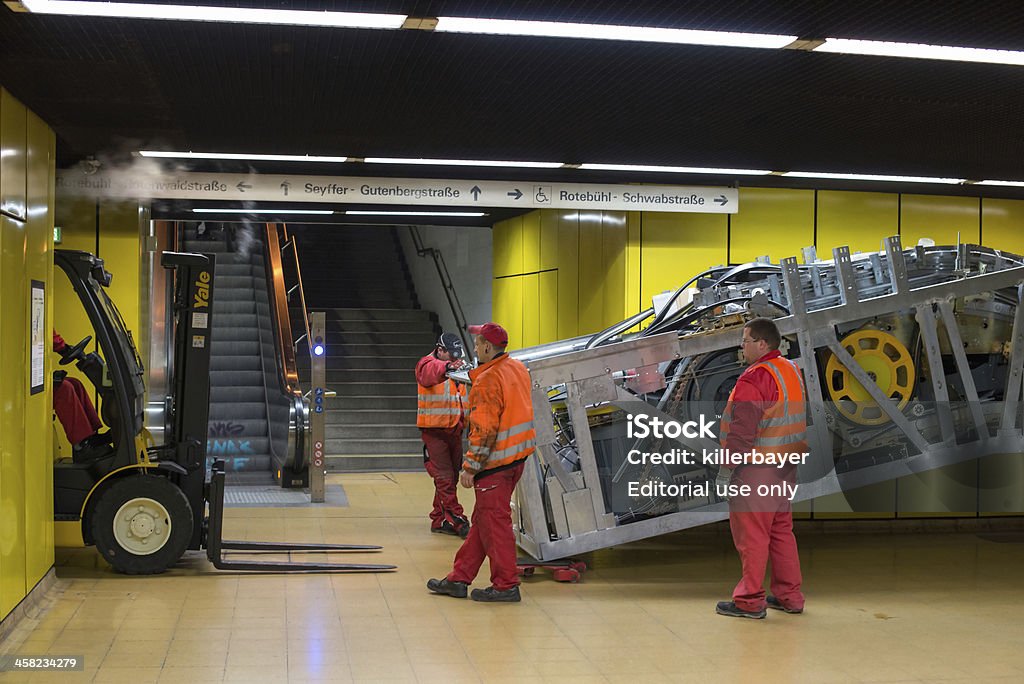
[592,272]
[508,247]
[119,249]
[859,220]
[508,308]
[634,220]
[548,306]
[771,221]
[550,219]
[568,274]
[38,425]
[1002,224]
[13,360]
[614,231]
[676,247]
[939,218]
[531,310]
[13,130]
[531,242]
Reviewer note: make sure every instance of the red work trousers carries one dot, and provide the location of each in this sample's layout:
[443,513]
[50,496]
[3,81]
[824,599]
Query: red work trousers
[74,410]
[762,530]
[444,461]
[491,534]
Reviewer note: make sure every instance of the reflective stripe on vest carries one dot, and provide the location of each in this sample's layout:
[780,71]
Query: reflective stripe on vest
[440,406]
[783,426]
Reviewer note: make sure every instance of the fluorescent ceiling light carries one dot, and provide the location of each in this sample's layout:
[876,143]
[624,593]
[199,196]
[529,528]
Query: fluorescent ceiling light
[557,29]
[239,210]
[463,162]
[415,213]
[1010,184]
[921,51]
[247,15]
[675,169]
[230,155]
[873,177]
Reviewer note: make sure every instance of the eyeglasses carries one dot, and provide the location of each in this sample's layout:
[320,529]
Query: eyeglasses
[748,341]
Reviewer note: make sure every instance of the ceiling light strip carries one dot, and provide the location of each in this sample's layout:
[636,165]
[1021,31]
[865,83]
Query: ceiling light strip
[240,210]
[675,169]
[463,162]
[360,212]
[647,34]
[921,51]
[238,156]
[873,177]
[248,15]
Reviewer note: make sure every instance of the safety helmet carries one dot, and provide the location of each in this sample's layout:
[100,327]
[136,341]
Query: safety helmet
[452,344]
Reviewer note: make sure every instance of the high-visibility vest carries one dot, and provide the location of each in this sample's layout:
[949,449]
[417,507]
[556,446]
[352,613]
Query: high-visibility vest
[440,406]
[501,415]
[783,427]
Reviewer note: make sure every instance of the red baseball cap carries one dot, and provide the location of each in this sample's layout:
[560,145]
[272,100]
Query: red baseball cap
[492,332]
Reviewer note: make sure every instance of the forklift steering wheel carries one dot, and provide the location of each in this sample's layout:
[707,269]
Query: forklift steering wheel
[71,353]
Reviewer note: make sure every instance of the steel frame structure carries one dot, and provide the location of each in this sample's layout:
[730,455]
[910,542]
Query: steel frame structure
[561,511]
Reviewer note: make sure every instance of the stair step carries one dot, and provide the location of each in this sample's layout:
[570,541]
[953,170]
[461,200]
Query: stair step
[373,314]
[237,378]
[247,362]
[371,402]
[362,463]
[337,376]
[363,363]
[380,389]
[232,395]
[419,339]
[338,447]
[235,411]
[370,417]
[383,432]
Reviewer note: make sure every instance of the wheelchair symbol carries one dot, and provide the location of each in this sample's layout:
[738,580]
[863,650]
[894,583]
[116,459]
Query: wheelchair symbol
[542,194]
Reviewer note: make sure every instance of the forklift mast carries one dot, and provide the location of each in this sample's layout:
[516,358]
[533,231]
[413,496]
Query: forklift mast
[190,410]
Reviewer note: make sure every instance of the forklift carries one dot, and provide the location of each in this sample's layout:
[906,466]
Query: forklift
[141,505]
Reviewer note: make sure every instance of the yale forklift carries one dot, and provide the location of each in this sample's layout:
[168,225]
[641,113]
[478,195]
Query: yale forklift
[143,506]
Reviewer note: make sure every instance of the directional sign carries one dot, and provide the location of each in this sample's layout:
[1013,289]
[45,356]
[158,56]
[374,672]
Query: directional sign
[401,191]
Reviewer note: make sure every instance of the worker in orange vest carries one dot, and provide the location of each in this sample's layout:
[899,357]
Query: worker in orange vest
[501,438]
[766,413]
[440,416]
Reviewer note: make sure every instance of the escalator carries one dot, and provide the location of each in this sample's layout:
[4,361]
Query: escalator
[256,421]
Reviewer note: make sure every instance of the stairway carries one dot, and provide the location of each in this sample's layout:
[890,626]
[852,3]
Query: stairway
[376,333]
[248,415]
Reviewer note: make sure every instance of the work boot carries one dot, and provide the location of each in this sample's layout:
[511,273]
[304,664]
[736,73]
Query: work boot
[776,604]
[99,439]
[492,595]
[446,528]
[461,526]
[444,586]
[730,609]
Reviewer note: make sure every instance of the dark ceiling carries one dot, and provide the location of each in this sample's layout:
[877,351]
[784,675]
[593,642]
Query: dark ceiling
[110,86]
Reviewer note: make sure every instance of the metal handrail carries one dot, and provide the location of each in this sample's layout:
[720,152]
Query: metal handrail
[446,283]
[290,242]
[281,318]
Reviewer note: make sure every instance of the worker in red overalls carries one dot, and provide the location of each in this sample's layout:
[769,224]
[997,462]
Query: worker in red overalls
[75,409]
[501,438]
[766,413]
[440,416]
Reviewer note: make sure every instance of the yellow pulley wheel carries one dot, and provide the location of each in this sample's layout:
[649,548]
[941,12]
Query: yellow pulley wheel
[886,361]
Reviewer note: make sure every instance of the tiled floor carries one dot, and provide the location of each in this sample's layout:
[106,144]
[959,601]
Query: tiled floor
[931,608]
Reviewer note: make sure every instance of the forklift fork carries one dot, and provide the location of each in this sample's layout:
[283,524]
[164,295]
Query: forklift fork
[216,545]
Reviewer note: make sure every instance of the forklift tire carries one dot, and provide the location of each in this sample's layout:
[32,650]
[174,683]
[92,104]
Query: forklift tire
[142,524]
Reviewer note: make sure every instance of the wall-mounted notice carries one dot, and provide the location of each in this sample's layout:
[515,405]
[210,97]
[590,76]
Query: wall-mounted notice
[37,380]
